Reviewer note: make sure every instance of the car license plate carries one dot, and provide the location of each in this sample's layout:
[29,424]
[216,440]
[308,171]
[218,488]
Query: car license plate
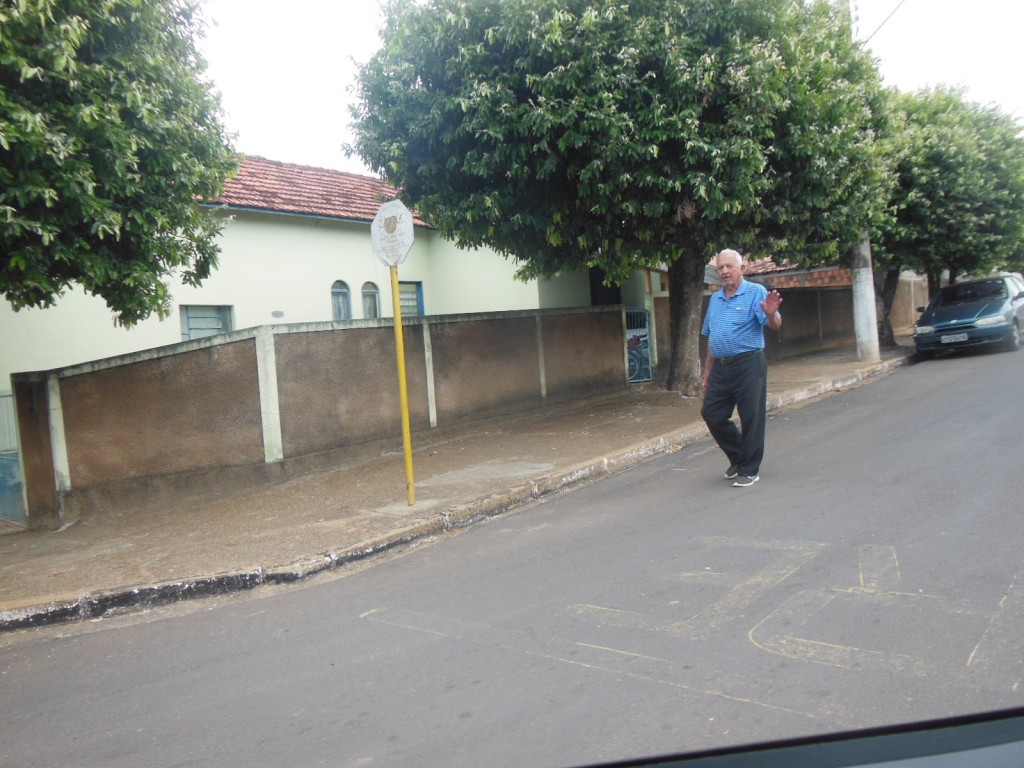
[953,338]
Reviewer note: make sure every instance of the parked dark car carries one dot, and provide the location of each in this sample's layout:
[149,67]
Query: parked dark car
[973,313]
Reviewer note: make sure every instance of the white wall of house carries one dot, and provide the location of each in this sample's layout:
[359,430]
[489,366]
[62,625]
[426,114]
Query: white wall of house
[635,291]
[565,291]
[78,329]
[280,269]
[457,281]
[272,269]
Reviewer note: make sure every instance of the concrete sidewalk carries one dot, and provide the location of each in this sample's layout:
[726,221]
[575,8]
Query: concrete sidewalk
[336,508]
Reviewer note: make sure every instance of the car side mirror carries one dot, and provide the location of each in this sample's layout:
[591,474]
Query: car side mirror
[920,309]
[1019,296]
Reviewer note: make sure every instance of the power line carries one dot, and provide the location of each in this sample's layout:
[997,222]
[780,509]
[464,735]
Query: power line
[898,6]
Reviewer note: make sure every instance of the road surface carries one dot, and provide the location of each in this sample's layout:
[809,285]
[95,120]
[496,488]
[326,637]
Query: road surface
[871,577]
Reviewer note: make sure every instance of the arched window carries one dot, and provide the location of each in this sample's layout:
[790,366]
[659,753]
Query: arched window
[371,301]
[341,301]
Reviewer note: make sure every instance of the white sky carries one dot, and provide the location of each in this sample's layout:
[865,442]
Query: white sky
[284,69]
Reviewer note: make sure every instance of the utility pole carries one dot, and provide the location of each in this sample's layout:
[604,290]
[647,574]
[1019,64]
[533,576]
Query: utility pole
[865,313]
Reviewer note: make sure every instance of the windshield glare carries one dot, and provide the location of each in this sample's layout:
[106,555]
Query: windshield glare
[957,294]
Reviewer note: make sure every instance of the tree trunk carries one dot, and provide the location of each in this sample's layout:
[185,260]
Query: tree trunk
[886,296]
[686,295]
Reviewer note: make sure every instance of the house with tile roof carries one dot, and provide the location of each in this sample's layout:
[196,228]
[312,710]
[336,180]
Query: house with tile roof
[295,248]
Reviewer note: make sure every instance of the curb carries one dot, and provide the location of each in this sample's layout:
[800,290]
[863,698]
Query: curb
[464,514]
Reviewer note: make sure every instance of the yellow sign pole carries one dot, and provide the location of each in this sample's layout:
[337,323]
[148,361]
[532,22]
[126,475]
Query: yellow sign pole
[391,236]
[402,389]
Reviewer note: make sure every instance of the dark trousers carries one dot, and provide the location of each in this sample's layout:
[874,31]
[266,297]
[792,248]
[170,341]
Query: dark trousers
[742,386]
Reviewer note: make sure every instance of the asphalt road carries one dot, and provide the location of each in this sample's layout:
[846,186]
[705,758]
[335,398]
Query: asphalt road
[871,577]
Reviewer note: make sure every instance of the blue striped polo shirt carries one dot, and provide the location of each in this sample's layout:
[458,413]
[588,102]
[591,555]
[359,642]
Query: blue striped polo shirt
[734,326]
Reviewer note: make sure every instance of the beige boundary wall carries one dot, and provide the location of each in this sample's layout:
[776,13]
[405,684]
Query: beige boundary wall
[257,397]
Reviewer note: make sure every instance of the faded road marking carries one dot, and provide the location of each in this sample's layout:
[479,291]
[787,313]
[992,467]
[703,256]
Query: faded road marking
[774,634]
[415,621]
[1001,648]
[790,557]
[879,568]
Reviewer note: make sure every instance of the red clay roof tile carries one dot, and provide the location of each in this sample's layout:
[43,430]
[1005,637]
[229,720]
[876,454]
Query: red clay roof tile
[269,185]
[767,266]
[763,266]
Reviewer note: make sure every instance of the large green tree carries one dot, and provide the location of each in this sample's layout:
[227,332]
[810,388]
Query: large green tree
[109,136]
[958,205]
[613,134]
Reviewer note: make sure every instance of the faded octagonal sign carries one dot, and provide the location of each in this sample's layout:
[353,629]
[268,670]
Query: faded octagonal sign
[391,233]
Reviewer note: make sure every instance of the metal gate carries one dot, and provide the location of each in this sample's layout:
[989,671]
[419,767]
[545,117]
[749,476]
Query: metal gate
[12,502]
[638,345]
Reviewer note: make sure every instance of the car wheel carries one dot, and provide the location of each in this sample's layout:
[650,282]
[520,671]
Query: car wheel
[924,354]
[1013,343]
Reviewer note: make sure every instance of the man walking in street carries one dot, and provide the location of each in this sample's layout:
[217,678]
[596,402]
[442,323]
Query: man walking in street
[736,372]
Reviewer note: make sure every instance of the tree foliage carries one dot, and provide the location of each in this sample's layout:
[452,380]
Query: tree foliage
[109,136]
[958,205]
[575,133]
